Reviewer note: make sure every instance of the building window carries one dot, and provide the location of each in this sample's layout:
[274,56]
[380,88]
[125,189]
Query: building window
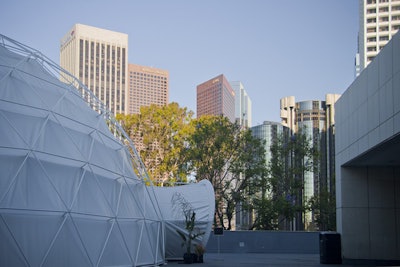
[371,11]
[371,39]
[371,29]
[384,38]
[384,9]
[396,17]
[372,20]
[383,19]
[371,48]
[384,28]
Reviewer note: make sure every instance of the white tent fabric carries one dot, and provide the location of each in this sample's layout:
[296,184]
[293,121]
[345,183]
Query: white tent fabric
[68,193]
[201,199]
[72,188]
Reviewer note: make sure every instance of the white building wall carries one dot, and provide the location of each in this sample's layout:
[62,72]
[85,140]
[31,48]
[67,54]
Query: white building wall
[368,195]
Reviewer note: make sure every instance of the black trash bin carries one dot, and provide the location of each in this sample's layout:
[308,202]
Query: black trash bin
[330,249]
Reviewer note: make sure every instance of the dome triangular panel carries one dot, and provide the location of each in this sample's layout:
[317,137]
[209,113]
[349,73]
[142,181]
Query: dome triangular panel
[115,251]
[67,249]
[32,190]
[93,232]
[97,203]
[24,230]
[9,248]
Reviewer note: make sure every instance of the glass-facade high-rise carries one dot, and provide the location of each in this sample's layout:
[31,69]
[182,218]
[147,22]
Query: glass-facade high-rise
[243,111]
[311,119]
[315,118]
[267,132]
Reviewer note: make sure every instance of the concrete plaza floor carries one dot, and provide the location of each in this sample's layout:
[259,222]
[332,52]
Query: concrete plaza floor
[255,259]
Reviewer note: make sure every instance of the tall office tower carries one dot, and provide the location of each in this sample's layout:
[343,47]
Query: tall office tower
[329,181]
[216,97]
[379,21]
[287,106]
[268,132]
[98,58]
[316,120]
[147,86]
[242,104]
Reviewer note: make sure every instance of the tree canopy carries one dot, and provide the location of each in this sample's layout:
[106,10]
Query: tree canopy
[159,134]
[229,157]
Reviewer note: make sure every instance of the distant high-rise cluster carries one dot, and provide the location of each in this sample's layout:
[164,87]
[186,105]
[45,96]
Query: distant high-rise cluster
[379,21]
[99,58]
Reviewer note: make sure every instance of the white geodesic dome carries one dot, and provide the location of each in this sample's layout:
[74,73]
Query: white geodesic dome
[71,192]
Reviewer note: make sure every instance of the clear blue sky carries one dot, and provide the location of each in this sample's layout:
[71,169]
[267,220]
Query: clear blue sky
[275,48]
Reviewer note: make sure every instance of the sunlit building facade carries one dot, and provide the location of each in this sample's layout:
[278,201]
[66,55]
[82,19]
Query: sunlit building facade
[315,118]
[98,58]
[379,21]
[243,111]
[147,86]
[216,97]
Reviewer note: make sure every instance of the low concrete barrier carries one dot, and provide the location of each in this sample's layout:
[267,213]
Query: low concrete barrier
[264,242]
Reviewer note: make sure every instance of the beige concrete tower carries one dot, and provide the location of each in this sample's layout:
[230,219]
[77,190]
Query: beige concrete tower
[98,58]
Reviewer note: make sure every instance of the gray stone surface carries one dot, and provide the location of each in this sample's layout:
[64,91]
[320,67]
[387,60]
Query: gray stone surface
[255,259]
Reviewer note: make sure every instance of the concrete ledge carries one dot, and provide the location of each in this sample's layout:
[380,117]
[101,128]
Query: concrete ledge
[264,242]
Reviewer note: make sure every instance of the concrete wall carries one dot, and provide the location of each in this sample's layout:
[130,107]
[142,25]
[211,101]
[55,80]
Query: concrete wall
[367,166]
[264,242]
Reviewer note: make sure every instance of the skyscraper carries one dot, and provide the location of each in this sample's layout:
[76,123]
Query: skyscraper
[316,120]
[242,105]
[147,86]
[98,58]
[216,97]
[379,21]
[268,132]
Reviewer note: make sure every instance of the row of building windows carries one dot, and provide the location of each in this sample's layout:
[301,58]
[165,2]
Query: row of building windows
[163,79]
[141,75]
[383,19]
[369,2]
[381,38]
[382,9]
[383,28]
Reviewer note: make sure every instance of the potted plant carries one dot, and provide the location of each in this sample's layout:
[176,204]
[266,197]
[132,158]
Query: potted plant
[199,249]
[192,232]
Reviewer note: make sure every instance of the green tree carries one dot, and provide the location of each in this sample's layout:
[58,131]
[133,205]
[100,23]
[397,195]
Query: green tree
[226,155]
[323,206]
[265,212]
[292,157]
[159,134]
